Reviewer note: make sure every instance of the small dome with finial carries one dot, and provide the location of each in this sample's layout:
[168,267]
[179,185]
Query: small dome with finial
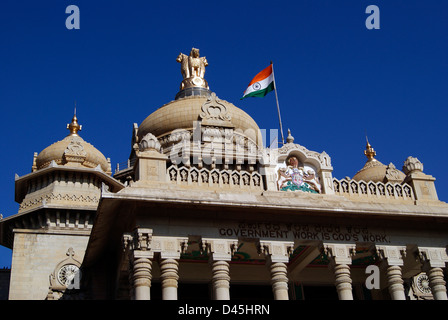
[375,171]
[72,151]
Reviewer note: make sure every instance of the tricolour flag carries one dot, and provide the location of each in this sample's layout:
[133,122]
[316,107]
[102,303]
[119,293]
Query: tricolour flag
[261,84]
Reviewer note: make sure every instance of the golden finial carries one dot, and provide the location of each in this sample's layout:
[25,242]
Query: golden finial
[369,152]
[74,127]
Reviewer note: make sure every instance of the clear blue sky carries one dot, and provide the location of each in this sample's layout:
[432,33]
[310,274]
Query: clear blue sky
[336,79]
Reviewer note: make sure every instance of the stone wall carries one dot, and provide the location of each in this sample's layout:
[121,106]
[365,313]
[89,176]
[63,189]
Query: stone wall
[35,257]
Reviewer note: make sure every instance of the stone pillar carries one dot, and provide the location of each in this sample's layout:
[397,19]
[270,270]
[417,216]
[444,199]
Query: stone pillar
[392,260]
[340,260]
[343,281]
[220,252]
[433,260]
[437,284]
[142,267]
[279,280]
[220,280]
[169,250]
[395,282]
[169,276]
[277,255]
[138,245]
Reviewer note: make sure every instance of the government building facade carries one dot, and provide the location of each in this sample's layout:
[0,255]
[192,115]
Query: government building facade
[204,211]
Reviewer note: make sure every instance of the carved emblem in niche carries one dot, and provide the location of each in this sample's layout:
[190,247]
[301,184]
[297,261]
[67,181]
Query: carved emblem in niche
[213,109]
[75,151]
[297,178]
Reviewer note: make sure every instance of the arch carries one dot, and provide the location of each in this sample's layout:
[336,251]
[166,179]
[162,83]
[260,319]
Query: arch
[303,155]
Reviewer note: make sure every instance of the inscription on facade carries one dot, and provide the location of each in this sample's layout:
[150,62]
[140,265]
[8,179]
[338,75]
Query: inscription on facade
[304,232]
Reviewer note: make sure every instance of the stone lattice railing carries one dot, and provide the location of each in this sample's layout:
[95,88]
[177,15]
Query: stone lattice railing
[215,177]
[373,190]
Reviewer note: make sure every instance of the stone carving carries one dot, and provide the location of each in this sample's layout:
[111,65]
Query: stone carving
[149,142]
[139,239]
[192,69]
[66,276]
[169,247]
[294,178]
[277,251]
[75,150]
[44,199]
[393,174]
[421,288]
[214,109]
[412,164]
[379,190]
[215,177]
[323,158]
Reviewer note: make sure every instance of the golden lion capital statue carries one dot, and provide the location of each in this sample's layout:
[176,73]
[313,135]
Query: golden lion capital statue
[192,68]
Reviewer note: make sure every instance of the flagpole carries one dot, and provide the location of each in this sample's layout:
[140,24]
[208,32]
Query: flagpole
[278,108]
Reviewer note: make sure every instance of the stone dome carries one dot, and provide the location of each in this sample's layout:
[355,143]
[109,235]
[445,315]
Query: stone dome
[373,170]
[181,114]
[376,171]
[72,151]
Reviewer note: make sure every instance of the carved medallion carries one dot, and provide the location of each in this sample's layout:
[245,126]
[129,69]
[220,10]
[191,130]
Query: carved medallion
[213,109]
[422,282]
[67,273]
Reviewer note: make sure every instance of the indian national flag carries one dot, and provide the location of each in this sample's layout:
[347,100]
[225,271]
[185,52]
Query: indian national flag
[261,84]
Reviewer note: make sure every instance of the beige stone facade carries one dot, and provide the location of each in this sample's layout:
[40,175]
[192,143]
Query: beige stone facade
[36,256]
[204,210]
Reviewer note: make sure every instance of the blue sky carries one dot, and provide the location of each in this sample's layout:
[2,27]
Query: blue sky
[336,79]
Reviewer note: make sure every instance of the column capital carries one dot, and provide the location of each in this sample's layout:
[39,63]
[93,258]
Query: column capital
[219,249]
[138,242]
[276,251]
[169,247]
[340,253]
[391,255]
[432,257]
